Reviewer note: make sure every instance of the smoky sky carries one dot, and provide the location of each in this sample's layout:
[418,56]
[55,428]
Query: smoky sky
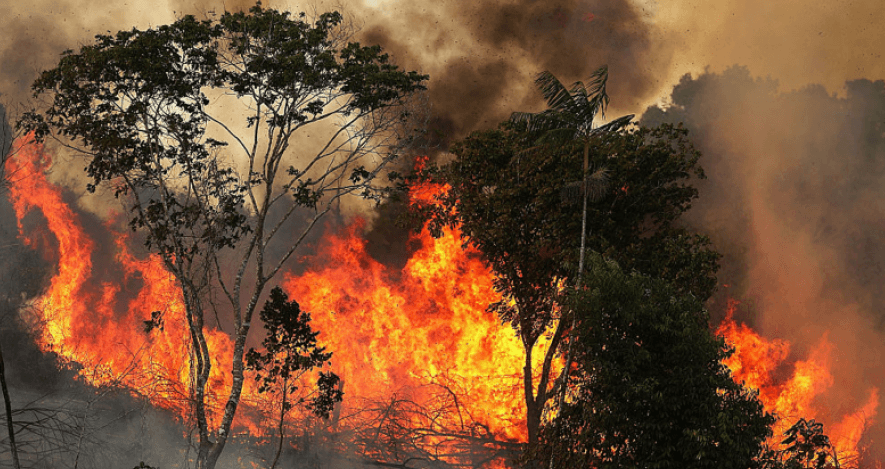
[795,200]
[815,161]
[482,56]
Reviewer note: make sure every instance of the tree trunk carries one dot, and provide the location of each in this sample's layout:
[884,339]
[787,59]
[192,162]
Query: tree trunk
[6,402]
[281,429]
[532,406]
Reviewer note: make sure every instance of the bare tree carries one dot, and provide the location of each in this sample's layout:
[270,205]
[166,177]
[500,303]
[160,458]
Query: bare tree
[6,152]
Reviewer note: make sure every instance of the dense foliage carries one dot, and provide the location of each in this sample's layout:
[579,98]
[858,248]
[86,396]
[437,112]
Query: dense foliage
[649,389]
[511,205]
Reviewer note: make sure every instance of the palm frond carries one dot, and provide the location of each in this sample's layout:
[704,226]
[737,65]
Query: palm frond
[616,124]
[585,109]
[557,96]
[558,137]
[598,95]
[544,121]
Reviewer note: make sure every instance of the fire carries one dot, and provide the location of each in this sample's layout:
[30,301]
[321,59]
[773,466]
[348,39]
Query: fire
[92,325]
[422,332]
[755,363]
[418,335]
[422,325]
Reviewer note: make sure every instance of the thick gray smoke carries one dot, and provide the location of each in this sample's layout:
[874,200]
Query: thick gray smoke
[794,199]
[482,56]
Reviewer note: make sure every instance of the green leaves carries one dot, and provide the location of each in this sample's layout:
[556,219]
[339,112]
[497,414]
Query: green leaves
[138,103]
[806,446]
[570,114]
[290,350]
[510,205]
[650,390]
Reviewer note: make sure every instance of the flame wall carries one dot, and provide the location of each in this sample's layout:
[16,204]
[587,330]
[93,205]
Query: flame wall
[794,194]
[421,332]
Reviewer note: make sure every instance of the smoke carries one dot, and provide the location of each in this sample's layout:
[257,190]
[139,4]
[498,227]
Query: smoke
[800,43]
[794,199]
[795,188]
[482,56]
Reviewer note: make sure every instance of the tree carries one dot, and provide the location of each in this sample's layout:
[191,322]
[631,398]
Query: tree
[650,389]
[6,152]
[290,351]
[508,204]
[219,133]
[570,117]
[806,446]
[6,138]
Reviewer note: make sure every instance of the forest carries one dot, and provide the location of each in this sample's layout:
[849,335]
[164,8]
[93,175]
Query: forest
[560,288]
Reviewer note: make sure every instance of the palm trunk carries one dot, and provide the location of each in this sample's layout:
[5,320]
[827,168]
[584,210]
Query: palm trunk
[568,359]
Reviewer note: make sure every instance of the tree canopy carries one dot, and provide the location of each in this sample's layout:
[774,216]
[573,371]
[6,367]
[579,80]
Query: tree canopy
[512,195]
[219,133]
[649,388]
[510,205]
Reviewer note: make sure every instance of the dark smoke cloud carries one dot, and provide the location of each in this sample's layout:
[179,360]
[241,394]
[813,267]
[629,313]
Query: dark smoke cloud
[482,56]
[795,199]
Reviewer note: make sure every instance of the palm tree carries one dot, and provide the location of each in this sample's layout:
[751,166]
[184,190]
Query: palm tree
[569,118]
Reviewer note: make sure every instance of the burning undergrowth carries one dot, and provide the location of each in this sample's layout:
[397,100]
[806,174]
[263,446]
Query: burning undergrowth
[427,373]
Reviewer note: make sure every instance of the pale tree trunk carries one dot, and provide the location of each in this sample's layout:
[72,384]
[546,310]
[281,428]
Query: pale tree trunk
[568,356]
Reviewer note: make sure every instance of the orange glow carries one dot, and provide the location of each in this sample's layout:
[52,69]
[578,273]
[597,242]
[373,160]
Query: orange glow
[94,325]
[755,362]
[392,330]
[418,333]
[422,331]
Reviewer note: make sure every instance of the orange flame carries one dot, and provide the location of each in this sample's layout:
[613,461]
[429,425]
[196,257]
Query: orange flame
[423,324]
[755,363]
[93,327]
[413,330]
[423,327]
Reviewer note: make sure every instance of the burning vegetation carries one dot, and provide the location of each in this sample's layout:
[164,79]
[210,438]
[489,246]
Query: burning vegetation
[552,307]
[427,372]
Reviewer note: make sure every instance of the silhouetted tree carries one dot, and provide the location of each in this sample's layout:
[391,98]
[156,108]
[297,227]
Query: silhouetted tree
[649,387]
[202,127]
[290,351]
